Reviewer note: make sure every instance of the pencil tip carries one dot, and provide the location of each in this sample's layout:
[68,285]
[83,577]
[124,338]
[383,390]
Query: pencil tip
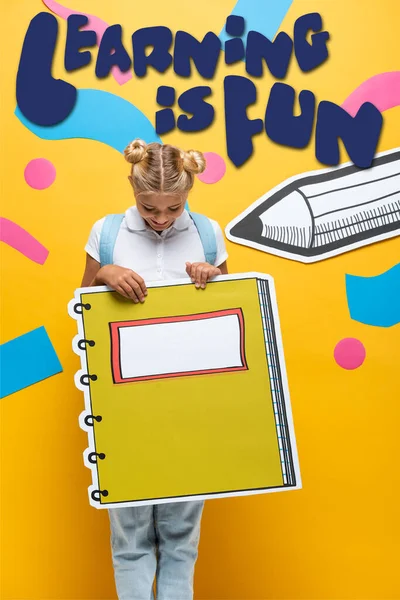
[288,221]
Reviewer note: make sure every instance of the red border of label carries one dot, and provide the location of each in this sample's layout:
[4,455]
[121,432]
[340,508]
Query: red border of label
[115,344]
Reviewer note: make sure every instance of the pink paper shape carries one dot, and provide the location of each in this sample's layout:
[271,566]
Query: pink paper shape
[94,24]
[13,235]
[349,353]
[40,173]
[215,169]
[383,91]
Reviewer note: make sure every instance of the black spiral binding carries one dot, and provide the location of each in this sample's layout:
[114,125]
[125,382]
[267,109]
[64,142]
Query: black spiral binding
[92,457]
[82,306]
[96,494]
[89,420]
[86,378]
[82,344]
[93,418]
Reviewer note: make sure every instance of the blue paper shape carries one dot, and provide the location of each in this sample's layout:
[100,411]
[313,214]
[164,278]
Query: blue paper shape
[375,300]
[264,16]
[26,360]
[98,116]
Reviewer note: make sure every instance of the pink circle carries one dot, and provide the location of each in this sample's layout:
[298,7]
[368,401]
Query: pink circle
[40,173]
[349,353]
[215,169]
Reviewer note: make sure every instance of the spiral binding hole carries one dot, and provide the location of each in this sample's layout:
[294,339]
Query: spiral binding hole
[96,494]
[82,344]
[85,379]
[89,419]
[92,457]
[82,306]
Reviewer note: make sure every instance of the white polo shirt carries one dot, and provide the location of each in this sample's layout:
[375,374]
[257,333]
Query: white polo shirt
[156,256]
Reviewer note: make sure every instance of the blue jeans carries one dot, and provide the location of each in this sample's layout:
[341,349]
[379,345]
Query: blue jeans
[159,542]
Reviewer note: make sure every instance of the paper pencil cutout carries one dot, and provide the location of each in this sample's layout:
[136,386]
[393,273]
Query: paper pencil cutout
[323,213]
[186,396]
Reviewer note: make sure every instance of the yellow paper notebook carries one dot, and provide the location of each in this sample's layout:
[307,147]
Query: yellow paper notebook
[186,395]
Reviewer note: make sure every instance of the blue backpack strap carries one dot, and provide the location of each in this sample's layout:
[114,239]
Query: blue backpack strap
[108,237]
[207,236]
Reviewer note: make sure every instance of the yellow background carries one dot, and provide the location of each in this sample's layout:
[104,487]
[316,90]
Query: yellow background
[336,538]
[239,450]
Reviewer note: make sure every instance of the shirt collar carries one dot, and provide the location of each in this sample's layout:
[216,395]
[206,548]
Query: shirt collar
[182,222]
[135,222]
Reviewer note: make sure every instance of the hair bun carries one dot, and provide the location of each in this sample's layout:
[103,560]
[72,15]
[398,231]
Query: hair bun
[135,151]
[194,162]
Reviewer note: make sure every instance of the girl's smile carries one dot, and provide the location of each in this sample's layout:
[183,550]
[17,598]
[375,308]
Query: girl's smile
[156,225]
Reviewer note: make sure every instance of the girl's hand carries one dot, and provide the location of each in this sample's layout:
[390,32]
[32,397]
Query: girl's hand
[124,281]
[200,273]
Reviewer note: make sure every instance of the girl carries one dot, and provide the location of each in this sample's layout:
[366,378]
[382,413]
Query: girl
[157,240]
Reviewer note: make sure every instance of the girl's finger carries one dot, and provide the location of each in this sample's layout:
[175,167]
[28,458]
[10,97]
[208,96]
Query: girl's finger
[205,276]
[136,288]
[193,271]
[189,268]
[129,291]
[141,283]
[197,275]
[122,292]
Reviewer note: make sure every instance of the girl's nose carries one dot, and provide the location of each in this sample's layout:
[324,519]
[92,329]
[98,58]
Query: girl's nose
[160,220]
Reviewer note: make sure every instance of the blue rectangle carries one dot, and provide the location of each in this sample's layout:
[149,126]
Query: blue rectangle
[26,360]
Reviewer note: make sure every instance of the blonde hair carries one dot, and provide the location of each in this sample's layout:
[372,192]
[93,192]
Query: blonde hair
[162,168]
